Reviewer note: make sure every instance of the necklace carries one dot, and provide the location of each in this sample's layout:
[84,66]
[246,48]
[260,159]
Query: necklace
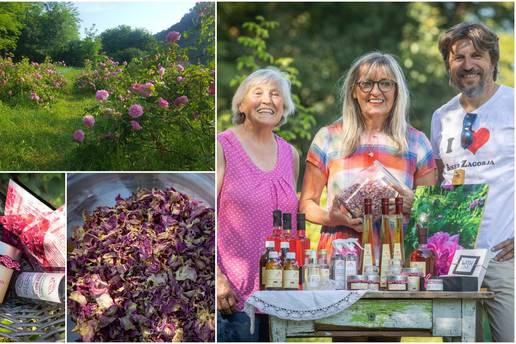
[372,143]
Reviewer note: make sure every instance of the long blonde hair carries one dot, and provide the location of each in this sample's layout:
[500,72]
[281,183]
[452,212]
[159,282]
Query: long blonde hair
[353,122]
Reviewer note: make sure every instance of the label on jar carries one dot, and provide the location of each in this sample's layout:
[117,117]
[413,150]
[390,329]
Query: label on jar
[420,265]
[325,274]
[290,279]
[413,283]
[39,286]
[273,278]
[339,273]
[373,286]
[313,281]
[397,286]
[368,256]
[358,286]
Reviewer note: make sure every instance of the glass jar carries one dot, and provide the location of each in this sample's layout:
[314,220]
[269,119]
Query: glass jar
[413,277]
[357,282]
[397,283]
[434,284]
[373,282]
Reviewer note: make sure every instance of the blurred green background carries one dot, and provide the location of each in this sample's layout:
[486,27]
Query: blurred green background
[315,43]
[48,186]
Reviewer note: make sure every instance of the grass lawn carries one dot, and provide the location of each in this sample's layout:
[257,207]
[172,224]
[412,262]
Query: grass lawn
[40,138]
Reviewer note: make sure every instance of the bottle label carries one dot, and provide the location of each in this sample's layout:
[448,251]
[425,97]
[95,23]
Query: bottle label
[420,265]
[263,282]
[397,286]
[339,273]
[290,279]
[325,274]
[273,278]
[314,279]
[351,267]
[358,286]
[413,283]
[386,260]
[39,286]
[373,286]
[396,254]
[368,256]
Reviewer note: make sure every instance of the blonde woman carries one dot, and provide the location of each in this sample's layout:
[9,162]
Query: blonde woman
[373,126]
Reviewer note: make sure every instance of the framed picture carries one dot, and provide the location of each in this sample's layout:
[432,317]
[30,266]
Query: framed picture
[466,265]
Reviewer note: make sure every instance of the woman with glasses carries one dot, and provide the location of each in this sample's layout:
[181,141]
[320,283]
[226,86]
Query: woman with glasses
[373,126]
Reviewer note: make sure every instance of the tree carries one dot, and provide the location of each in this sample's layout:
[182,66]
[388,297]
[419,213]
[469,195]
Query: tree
[11,24]
[124,43]
[49,27]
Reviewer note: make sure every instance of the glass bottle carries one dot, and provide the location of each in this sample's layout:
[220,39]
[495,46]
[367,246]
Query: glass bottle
[269,246]
[398,240]
[41,286]
[385,238]
[302,242]
[367,235]
[290,272]
[284,249]
[338,270]
[324,268]
[273,272]
[276,229]
[311,273]
[423,258]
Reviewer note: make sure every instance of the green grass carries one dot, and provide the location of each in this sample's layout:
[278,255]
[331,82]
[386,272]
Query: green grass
[40,138]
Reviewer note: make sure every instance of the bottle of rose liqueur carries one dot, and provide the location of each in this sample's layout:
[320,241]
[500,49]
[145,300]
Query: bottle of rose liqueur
[287,232]
[302,242]
[398,240]
[269,246]
[290,272]
[367,235]
[385,237]
[276,229]
[273,272]
[423,258]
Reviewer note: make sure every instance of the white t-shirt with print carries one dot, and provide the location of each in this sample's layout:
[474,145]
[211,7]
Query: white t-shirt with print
[488,160]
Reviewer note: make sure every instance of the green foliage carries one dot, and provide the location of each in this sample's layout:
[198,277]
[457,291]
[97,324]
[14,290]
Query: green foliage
[457,211]
[78,51]
[11,24]
[26,82]
[49,27]
[257,55]
[321,40]
[124,43]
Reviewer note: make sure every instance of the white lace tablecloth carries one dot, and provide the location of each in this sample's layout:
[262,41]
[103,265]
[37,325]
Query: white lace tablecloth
[301,304]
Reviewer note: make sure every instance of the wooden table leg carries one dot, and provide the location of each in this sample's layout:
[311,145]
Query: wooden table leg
[469,309]
[278,329]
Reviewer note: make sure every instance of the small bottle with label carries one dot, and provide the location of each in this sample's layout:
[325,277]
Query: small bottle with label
[311,273]
[290,272]
[273,272]
[41,286]
[338,270]
[269,246]
[324,269]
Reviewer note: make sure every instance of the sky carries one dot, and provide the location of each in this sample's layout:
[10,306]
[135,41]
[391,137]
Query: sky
[151,15]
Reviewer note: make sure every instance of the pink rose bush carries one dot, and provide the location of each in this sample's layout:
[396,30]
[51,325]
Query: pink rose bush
[135,110]
[102,95]
[173,36]
[444,246]
[26,82]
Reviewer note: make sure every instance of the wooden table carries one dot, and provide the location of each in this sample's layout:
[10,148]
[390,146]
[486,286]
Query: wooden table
[393,314]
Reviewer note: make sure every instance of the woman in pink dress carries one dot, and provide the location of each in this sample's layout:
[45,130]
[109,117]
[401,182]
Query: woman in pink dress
[256,173]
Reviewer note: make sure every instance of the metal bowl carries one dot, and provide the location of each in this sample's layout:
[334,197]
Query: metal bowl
[86,191]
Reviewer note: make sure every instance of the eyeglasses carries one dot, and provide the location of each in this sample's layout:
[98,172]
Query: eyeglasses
[385,85]
[466,137]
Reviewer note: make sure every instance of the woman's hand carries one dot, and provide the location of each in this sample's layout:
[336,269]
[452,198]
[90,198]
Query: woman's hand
[226,298]
[340,216]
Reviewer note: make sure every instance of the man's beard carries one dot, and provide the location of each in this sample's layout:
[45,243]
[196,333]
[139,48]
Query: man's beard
[470,91]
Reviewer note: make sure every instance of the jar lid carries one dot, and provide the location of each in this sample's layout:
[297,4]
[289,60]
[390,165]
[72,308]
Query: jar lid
[410,270]
[9,251]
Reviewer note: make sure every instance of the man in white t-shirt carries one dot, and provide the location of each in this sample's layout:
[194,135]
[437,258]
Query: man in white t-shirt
[473,143]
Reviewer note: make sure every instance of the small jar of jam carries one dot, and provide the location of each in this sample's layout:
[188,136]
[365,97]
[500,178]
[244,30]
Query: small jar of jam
[397,283]
[434,284]
[358,282]
[413,277]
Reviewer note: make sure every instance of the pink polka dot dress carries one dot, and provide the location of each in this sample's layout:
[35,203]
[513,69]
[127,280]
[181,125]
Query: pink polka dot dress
[247,198]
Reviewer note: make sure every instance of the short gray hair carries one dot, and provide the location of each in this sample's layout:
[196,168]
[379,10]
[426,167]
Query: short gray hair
[260,76]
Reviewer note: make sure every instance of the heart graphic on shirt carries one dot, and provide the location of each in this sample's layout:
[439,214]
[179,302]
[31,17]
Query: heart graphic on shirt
[480,137]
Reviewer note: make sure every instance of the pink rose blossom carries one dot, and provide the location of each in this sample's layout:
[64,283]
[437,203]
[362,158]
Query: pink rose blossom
[211,89]
[173,36]
[163,103]
[135,110]
[180,68]
[102,95]
[181,100]
[88,121]
[180,79]
[34,96]
[78,135]
[161,71]
[444,246]
[135,125]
